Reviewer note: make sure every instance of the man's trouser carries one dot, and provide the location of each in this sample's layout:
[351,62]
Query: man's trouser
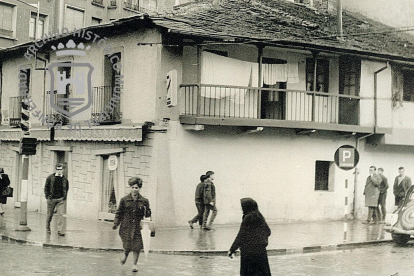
[199,217]
[207,208]
[59,204]
[382,202]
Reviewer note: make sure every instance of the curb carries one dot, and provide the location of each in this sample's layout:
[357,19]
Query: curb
[270,252]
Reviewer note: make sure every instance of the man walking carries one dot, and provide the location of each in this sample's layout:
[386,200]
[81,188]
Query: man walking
[199,202]
[401,185]
[371,193]
[383,194]
[209,201]
[56,189]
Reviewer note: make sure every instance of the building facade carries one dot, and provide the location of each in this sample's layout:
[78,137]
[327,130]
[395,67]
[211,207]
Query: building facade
[264,104]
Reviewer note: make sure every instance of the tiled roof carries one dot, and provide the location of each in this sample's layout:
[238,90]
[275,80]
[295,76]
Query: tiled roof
[284,23]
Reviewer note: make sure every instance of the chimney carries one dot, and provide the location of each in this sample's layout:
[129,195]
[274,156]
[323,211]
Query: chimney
[325,5]
[339,18]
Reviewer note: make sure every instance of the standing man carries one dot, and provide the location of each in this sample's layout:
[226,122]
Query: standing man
[209,201]
[401,185]
[371,193]
[199,202]
[383,194]
[56,189]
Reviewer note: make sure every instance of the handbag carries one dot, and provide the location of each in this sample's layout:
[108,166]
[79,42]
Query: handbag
[7,192]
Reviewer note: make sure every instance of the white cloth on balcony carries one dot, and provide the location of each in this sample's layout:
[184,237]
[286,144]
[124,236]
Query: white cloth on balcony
[292,72]
[273,73]
[219,70]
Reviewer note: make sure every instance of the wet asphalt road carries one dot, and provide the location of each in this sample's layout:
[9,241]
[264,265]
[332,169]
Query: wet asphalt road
[386,259]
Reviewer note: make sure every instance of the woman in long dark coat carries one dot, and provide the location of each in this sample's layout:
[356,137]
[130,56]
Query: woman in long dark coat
[4,182]
[252,240]
[132,209]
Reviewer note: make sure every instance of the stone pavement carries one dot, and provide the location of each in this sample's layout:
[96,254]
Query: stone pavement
[286,238]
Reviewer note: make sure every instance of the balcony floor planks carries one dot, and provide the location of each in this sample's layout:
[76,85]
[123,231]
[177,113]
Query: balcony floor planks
[192,120]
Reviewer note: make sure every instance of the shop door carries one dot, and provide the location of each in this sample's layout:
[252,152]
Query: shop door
[109,196]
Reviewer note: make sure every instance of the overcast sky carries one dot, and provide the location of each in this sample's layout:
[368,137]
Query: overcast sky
[395,13]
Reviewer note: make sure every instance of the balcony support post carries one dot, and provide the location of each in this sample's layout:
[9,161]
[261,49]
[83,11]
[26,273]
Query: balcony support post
[199,52]
[259,91]
[315,78]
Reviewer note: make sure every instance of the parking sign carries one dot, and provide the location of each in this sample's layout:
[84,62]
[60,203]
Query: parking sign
[346,157]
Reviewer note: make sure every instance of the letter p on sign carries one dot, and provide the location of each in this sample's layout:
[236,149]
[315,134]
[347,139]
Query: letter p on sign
[346,157]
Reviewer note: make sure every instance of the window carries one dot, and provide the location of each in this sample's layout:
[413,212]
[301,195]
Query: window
[349,76]
[403,83]
[96,21]
[324,172]
[32,26]
[322,75]
[408,85]
[6,20]
[74,18]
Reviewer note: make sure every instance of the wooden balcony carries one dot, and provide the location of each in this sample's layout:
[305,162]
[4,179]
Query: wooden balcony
[268,107]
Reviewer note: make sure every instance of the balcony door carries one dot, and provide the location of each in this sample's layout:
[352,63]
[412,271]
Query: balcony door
[349,84]
[273,103]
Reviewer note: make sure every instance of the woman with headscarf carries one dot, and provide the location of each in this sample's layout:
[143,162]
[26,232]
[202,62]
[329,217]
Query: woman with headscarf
[132,209]
[4,182]
[252,240]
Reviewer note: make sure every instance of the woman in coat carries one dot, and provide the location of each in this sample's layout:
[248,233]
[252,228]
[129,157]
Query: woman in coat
[252,240]
[132,209]
[4,182]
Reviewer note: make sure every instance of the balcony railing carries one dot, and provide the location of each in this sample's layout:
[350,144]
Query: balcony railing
[101,109]
[99,2]
[51,114]
[131,6]
[112,3]
[15,115]
[269,103]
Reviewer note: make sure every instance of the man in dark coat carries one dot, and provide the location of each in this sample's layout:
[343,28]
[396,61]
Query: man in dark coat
[401,185]
[4,182]
[56,190]
[199,202]
[383,194]
[371,193]
[252,240]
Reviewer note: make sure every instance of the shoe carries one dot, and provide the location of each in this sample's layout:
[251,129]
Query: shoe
[2,213]
[61,234]
[48,231]
[191,224]
[122,261]
[134,268]
[207,228]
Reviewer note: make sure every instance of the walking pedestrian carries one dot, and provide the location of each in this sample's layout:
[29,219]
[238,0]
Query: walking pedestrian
[56,189]
[199,202]
[209,201]
[383,195]
[371,193]
[401,185]
[132,209]
[252,240]
[4,182]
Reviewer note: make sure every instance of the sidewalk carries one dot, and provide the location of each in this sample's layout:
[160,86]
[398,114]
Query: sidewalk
[286,238]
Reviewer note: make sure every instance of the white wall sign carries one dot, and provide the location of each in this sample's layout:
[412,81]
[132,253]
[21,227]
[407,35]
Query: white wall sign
[112,162]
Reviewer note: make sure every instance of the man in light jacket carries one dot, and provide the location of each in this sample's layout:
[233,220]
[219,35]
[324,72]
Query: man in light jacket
[401,185]
[371,192]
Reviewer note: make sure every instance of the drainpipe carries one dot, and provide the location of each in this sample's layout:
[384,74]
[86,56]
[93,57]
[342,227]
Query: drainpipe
[375,95]
[366,136]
